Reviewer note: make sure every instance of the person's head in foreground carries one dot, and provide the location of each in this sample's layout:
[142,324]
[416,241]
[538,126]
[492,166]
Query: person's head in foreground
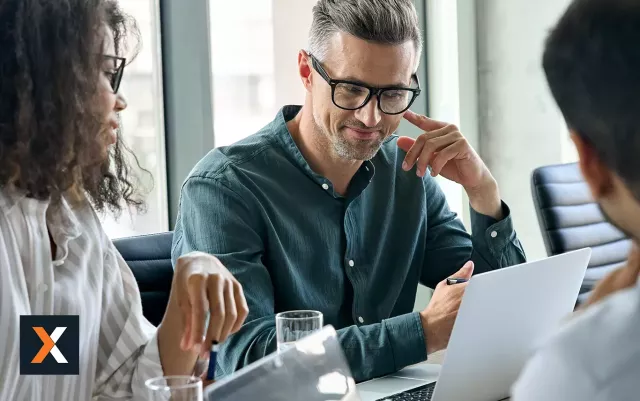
[592,64]
[61,63]
[359,73]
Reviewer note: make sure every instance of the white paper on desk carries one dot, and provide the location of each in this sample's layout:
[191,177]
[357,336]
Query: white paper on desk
[315,369]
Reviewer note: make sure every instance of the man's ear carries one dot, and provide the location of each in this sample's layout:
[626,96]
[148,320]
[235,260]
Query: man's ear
[304,69]
[595,172]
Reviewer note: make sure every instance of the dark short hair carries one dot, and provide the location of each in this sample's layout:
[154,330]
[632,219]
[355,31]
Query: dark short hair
[50,126]
[592,64]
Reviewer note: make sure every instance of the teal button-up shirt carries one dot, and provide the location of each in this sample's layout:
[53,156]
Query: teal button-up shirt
[294,243]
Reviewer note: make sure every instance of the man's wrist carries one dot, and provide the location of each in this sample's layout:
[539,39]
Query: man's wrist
[485,199]
[430,337]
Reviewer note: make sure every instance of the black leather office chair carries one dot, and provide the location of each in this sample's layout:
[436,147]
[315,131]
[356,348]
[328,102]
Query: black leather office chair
[149,257]
[570,220]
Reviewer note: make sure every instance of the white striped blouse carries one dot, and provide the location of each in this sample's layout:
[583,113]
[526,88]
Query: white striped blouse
[88,278]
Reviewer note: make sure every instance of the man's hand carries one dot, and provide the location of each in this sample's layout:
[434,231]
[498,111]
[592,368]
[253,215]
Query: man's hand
[440,315]
[620,279]
[447,152]
[201,285]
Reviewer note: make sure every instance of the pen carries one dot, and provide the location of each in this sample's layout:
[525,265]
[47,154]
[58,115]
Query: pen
[213,354]
[451,281]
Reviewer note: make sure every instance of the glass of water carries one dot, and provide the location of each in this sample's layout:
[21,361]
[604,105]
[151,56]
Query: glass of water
[174,388]
[294,325]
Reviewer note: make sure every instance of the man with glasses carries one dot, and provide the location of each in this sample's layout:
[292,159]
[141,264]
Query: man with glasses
[325,209]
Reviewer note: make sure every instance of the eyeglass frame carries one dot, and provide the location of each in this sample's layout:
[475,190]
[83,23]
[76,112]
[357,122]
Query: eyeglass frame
[373,90]
[115,85]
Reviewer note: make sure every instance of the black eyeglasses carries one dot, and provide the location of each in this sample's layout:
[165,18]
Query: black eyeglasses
[115,75]
[349,95]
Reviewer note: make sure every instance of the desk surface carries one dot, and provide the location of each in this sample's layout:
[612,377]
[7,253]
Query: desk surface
[437,357]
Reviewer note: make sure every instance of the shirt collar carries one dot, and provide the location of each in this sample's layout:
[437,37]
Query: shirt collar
[363,177]
[60,218]
[62,221]
[283,135]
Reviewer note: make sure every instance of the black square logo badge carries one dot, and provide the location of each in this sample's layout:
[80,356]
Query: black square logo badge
[49,345]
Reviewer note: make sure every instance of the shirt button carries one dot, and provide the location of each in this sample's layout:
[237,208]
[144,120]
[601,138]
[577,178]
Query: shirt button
[352,263]
[494,234]
[361,319]
[43,287]
[325,186]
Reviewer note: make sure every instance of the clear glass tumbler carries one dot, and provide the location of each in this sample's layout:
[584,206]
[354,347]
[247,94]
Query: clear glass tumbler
[175,388]
[294,325]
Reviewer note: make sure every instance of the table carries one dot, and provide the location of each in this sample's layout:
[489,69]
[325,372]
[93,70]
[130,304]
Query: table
[437,357]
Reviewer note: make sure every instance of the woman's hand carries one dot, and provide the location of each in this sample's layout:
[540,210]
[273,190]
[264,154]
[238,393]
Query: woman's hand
[203,287]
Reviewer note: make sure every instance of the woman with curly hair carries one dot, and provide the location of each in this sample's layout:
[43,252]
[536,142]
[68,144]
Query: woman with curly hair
[61,158]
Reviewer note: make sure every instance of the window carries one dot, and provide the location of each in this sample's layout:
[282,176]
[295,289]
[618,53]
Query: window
[243,68]
[143,125]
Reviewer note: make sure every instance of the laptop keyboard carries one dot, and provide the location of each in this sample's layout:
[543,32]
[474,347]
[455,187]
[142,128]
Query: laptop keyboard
[422,393]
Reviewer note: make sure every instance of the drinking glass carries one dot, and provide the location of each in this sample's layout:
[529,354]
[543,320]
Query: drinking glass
[175,388]
[294,325]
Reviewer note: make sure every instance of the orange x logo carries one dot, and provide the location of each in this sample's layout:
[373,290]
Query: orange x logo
[49,345]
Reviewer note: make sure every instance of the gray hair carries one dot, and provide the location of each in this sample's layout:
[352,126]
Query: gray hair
[391,22]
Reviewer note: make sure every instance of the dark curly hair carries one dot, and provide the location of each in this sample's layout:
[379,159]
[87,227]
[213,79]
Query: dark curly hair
[51,134]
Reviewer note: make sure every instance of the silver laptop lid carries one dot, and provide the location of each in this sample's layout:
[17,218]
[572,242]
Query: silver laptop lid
[504,315]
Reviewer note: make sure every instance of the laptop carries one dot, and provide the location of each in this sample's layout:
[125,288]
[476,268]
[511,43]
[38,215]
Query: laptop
[505,314]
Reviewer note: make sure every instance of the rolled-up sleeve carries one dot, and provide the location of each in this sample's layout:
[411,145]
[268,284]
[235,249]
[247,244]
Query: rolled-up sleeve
[406,337]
